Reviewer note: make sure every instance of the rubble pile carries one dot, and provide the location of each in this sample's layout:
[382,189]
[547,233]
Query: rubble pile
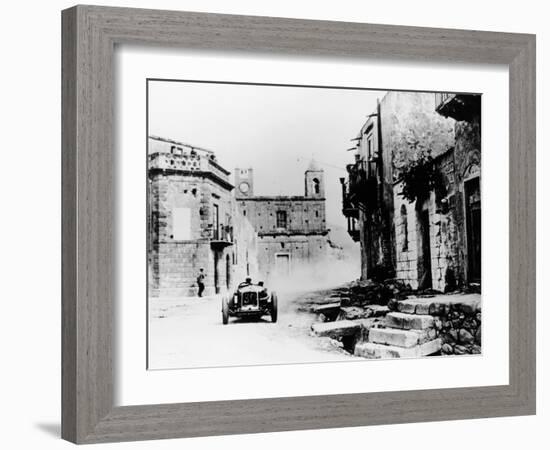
[383,320]
[363,292]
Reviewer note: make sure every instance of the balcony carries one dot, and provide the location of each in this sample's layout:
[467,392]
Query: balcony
[348,208]
[458,106]
[221,237]
[361,189]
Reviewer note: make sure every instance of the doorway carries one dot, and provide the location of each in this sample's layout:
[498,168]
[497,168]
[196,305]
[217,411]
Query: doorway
[228,272]
[425,263]
[216,273]
[473,228]
[282,264]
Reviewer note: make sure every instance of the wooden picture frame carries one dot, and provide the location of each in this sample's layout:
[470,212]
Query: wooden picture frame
[90,34]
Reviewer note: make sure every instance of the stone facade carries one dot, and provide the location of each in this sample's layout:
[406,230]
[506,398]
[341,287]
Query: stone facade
[193,222]
[434,241]
[291,230]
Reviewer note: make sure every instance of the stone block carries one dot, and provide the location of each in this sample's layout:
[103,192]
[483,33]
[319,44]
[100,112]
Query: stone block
[398,338]
[409,321]
[422,308]
[380,351]
[326,307]
[353,312]
[460,350]
[447,349]
[465,337]
[378,310]
[336,330]
[406,307]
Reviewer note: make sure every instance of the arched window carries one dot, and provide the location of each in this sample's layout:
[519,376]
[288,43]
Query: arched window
[316,185]
[405,229]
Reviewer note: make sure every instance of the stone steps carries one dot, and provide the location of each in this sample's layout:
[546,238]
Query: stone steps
[405,335]
[373,350]
[438,306]
[398,338]
[405,321]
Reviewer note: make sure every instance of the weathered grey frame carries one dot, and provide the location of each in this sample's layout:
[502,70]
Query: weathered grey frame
[89,36]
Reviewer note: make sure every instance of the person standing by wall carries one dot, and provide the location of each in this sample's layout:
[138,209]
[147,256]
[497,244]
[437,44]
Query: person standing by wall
[200,281]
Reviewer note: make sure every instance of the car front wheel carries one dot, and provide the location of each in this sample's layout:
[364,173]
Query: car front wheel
[274,307]
[225,310]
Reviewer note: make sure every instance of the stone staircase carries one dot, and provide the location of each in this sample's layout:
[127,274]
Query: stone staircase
[406,334]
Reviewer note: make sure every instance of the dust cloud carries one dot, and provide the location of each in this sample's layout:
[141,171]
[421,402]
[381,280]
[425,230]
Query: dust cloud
[327,273]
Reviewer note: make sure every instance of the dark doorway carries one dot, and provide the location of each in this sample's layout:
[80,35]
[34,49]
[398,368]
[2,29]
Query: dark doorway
[473,228]
[425,263]
[216,273]
[228,272]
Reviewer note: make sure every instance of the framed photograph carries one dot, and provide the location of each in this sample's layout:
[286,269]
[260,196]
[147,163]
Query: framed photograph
[278,224]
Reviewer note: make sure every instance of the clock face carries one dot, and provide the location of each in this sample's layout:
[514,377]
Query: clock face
[244,187]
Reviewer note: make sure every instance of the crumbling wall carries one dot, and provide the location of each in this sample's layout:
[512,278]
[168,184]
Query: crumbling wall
[445,222]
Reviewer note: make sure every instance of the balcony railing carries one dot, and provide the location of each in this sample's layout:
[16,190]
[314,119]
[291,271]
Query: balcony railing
[441,98]
[361,189]
[457,106]
[349,209]
[222,236]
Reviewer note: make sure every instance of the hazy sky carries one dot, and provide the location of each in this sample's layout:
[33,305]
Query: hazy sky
[276,130]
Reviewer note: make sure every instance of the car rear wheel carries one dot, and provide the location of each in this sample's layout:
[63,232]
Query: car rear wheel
[225,310]
[274,307]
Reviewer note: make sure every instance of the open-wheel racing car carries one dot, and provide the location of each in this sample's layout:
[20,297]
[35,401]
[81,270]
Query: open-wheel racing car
[250,300]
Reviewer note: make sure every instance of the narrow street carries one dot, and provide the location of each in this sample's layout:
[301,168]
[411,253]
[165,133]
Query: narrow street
[188,332]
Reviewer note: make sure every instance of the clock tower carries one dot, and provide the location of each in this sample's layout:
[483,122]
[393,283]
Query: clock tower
[244,183]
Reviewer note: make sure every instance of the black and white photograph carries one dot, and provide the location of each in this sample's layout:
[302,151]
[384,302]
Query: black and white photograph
[306,224]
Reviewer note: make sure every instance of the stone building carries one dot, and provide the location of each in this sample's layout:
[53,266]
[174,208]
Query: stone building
[291,230]
[463,179]
[193,222]
[429,241]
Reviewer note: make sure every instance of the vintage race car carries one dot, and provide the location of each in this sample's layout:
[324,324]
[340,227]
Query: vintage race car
[249,300]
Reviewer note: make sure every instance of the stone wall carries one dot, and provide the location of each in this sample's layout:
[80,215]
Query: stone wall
[444,244]
[174,268]
[460,329]
[467,156]
[303,215]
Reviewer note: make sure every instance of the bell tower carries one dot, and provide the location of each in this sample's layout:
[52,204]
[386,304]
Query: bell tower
[314,181]
[244,183]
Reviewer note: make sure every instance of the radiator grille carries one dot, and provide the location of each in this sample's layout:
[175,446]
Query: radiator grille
[250,298]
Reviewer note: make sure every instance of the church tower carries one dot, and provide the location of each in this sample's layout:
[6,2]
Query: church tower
[314,180]
[244,183]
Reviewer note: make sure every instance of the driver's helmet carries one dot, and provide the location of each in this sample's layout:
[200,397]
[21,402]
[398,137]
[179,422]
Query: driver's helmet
[248,280]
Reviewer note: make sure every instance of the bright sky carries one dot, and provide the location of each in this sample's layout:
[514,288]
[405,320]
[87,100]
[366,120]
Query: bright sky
[273,129]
